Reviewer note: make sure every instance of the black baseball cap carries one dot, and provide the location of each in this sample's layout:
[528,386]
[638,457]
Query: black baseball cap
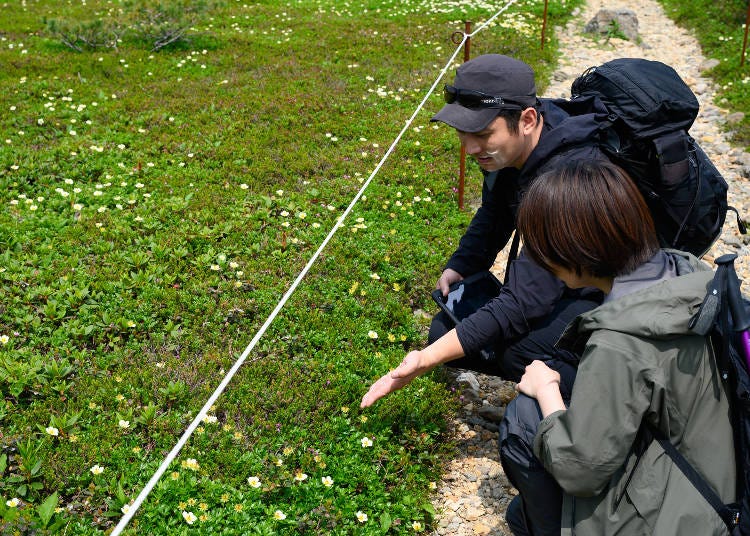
[470,105]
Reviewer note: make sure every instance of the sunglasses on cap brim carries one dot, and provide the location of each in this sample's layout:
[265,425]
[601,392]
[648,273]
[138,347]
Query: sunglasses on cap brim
[470,98]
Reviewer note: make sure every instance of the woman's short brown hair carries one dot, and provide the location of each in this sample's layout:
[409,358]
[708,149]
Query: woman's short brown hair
[588,217]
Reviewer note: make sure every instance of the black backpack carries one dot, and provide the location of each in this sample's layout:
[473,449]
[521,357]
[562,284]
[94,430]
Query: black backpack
[724,318]
[651,110]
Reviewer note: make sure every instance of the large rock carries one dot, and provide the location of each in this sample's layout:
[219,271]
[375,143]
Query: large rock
[613,22]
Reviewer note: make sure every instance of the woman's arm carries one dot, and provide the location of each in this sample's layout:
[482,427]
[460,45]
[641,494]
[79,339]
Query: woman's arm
[541,382]
[585,445]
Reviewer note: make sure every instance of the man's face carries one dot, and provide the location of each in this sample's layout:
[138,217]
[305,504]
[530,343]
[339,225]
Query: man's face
[495,147]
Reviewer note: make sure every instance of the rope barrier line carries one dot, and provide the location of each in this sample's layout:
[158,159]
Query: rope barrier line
[133,508]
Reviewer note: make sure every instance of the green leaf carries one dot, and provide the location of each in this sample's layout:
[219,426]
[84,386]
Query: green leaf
[427,507]
[3,463]
[47,509]
[385,521]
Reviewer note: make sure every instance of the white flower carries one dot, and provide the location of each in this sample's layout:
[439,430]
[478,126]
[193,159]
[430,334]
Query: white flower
[123,423]
[51,430]
[189,517]
[4,339]
[191,463]
[327,481]
[15,501]
[254,481]
[361,516]
[300,476]
[279,515]
[372,334]
[125,509]
[97,469]
[366,442]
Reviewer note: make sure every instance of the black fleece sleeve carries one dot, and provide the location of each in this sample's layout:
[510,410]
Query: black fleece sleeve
[531,293]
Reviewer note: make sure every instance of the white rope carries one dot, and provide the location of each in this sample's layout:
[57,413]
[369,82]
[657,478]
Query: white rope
[133,508]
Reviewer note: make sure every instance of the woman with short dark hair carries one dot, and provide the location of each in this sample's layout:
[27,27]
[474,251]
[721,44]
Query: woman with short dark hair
[587,223]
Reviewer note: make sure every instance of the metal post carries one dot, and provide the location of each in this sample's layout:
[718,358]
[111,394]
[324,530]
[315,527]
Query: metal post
[544,21]
[744,40]
[462,160]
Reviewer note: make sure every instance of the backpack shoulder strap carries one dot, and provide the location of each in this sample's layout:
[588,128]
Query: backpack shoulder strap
[729,513]
[512,254]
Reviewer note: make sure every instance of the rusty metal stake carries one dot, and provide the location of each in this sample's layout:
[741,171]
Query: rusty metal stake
[544,21]
[744,40]
[462,159]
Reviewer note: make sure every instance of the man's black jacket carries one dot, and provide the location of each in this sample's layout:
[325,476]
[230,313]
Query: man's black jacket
[531,292]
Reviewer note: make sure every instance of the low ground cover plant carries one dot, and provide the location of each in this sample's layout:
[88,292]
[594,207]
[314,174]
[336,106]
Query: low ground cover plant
[156,204]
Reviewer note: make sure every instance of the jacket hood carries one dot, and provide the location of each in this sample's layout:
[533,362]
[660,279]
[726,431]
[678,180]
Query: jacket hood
[662,310]
[566,126]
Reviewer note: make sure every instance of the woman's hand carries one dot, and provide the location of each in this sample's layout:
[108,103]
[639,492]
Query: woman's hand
[411,367]
[541,382]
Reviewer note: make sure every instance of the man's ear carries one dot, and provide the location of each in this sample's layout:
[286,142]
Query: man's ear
[528,121]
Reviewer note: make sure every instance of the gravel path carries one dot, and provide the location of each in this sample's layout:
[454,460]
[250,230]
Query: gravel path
[474,492]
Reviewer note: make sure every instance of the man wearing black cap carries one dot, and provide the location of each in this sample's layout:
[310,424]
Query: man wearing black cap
[514,137]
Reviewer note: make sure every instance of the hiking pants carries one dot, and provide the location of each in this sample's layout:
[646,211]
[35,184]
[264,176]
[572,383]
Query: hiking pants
[536,510]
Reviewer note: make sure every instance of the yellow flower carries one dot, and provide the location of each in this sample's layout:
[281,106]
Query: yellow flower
[225,497]
[191,501]
[203,507]
[391,337]
[202,518]
[344,409]
[432,485]
[363,418]
[182,505]
[136,449]
[396,287]
[238,435]
[287,451]
[174,475]
[238,508]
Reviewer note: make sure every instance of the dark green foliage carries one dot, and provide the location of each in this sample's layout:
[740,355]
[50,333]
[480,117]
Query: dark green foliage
[155,208]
